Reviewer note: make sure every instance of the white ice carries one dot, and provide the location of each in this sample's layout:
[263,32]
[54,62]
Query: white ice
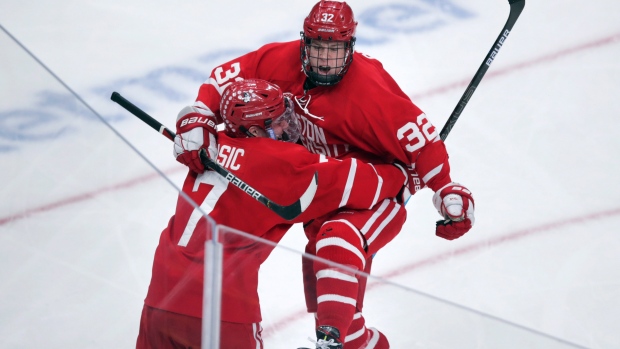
[81,211]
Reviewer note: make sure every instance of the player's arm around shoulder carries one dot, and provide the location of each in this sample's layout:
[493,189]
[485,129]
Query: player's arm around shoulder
[352,183]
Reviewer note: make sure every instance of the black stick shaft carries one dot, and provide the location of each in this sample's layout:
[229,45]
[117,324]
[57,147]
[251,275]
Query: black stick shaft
[116,97]
[516,6]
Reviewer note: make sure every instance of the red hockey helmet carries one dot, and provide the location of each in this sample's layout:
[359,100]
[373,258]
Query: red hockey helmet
[328,21]
[256,102]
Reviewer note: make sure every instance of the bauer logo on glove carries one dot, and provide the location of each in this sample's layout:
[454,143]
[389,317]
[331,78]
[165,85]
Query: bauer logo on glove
[195,130]
[207,121]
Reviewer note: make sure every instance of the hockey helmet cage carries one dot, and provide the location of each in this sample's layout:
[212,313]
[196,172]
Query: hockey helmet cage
[328,21]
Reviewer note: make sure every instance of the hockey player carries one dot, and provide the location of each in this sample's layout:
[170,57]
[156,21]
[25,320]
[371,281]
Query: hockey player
[349,106]
[255,113]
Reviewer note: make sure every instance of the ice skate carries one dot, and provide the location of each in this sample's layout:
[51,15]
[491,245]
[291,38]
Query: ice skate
[327,337]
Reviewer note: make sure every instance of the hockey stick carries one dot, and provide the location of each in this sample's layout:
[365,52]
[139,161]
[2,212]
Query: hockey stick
[287,212]
[516,6]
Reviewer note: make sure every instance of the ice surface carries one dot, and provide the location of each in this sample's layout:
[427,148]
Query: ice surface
[81,210]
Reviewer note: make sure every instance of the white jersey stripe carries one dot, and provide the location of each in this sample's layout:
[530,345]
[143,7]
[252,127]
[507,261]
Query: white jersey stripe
[374,339]
[359,234]
[214,83]
[256,331]
[341,243]
[385,222]
[336,298]
[333,274]
[349,184]
[375,216]
[355,335]
[379,186]
[432,173]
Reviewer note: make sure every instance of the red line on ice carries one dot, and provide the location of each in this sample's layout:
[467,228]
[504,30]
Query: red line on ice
[493,73]
[83,197]
[517,235]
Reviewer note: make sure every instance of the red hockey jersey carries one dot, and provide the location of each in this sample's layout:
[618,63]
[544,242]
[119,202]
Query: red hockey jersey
[280,171]
[366,115]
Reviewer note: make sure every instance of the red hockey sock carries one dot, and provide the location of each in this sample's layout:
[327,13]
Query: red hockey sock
[337,288]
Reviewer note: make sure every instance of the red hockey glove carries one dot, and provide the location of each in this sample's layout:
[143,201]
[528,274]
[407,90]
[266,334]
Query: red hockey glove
[412,184]
[456,204]
[195,130]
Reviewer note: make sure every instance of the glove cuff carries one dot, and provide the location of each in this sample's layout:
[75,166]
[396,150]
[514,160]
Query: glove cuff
[192,117]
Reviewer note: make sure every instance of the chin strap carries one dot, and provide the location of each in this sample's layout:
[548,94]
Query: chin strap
[246,131]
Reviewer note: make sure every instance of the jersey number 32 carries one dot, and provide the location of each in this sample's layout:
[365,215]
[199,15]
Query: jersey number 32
[417,134]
